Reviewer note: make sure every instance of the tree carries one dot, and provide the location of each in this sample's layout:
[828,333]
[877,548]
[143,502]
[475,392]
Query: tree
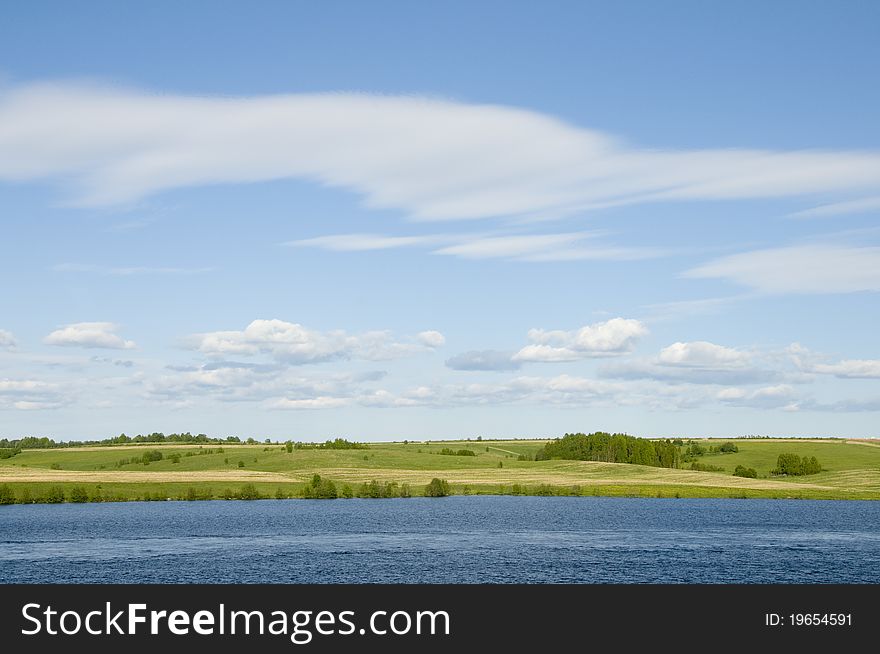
[320,489]
[611,448]
[792,464]
[288,446]
[437,488]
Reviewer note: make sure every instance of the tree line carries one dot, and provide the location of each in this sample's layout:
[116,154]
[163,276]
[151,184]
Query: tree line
[11,447]
[612,448]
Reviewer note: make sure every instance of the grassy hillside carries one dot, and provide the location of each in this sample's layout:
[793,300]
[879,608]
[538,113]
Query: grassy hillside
[851,470]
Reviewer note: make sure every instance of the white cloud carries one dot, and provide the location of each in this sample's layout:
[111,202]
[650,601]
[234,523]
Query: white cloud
[361,242]
[89,334]
[701,354]
[511,246]
[705,363]
[811,362]
[430,158]
[293,343]
[780,396]
[31,394]
[799,269]
[432,339]
[7,340]
[520,247]
[610,338]
[310,403]
[850,368]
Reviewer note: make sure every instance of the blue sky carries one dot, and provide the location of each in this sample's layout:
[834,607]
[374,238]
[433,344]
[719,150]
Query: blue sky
[403,220]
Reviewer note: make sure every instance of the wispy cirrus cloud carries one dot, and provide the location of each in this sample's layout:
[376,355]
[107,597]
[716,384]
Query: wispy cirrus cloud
[362,242]
[809,268]
[535,247]
[860,205]
[428,158]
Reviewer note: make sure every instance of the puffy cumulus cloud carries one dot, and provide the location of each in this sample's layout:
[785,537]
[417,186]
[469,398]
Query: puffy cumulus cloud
[483,360]
[813,268]
[295,344]
[89,334]
[811,362]
[7,340]
[430,158]
[701,354]
[604,339]
[431,339]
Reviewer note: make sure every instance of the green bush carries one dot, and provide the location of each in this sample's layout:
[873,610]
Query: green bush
[705,467]
[248,492]
[55,495]
[374,490]
[55,466]
[742,471]
[437,488]
[149,457]
[79,495]
[728,448]
[6,495]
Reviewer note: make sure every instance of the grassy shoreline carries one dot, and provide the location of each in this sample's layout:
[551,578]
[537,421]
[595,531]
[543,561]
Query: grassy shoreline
[47,493]
[851,470]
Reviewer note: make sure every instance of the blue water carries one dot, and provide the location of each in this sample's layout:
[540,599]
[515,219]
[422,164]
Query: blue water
[450,540]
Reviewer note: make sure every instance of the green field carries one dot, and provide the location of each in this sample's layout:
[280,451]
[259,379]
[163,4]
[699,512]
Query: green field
[851,470]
